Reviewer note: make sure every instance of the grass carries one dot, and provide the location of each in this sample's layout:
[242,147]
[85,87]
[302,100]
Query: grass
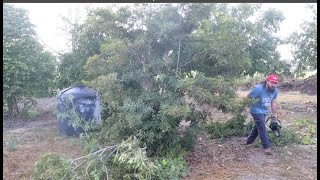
[307,130]
[34,143]
[11,143]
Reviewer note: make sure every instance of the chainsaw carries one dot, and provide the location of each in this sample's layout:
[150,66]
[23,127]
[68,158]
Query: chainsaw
[275,125]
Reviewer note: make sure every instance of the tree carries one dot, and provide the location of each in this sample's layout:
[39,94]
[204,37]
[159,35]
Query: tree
[218,46]
[28,70]
[141,93]
[264,56]
[86,39]
[229,43]
[140,59]
[305,45]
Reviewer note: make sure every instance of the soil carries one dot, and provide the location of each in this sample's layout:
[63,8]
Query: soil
[211,158]
[305,86]
[229,158]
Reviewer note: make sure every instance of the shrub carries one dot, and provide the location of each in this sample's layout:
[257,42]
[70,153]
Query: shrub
[126,160]
[234,127]
[288,136]
[11,143]
[171,167]
[29,113]
[307,130]
[189,139]
[52,166]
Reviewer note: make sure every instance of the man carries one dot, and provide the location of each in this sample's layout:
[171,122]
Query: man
[266,93]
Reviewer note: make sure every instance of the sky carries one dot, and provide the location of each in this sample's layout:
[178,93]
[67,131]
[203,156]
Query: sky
[47,18]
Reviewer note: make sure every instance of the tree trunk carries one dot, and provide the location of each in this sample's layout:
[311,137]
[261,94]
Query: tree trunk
[10,106]
[16,105]
[177,69]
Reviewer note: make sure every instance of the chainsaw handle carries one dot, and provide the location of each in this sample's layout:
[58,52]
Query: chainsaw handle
[272,117]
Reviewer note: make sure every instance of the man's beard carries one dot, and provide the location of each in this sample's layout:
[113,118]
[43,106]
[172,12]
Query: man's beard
[271,89]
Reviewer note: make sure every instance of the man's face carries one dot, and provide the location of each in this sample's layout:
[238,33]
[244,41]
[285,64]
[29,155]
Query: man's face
[272,85]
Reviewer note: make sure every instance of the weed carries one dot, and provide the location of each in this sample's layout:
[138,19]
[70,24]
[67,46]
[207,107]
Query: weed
[189,139]
[288,136]
[89,143]
[11,143]
[171,167]
[52,165]
[29,113]
[307,130]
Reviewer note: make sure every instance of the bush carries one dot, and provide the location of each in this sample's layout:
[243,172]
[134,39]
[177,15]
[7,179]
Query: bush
[52,166]
[29,113]
[288,136]
[171,167]
[11,143]
[124,161]
[189,139]
[234,127]
[307,130]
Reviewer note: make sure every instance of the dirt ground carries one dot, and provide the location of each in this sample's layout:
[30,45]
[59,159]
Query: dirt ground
[211,158]
[34,138]
[305,86]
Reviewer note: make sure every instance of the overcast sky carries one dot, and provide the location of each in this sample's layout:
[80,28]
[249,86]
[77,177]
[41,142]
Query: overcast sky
[49,25]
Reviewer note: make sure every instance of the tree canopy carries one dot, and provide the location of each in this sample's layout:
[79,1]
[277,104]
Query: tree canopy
[305,45]
[28,70]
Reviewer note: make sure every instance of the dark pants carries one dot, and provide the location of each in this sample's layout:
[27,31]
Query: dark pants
[259,128]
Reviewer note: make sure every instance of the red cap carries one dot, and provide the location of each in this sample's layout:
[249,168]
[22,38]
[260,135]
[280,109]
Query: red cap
[273,77]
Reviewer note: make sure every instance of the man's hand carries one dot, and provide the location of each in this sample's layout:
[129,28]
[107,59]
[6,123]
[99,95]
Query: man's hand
[274,116]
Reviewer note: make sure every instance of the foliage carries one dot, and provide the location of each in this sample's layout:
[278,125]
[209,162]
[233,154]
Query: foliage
[28,68]
[86,40]
[142,91]
[126,160]
[233,127]
[52,165]
[307,130]
[146,60]
[305,45]
[89,143]
[11,143]
[264,56]
[171,167]
[230,44]
[131,162]
[189,138]
[29,113]
[288,136]
[70,113]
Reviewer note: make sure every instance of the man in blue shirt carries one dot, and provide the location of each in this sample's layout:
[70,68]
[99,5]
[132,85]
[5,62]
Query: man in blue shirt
[266,93]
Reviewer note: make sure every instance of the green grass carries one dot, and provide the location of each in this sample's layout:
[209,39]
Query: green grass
[306,129]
